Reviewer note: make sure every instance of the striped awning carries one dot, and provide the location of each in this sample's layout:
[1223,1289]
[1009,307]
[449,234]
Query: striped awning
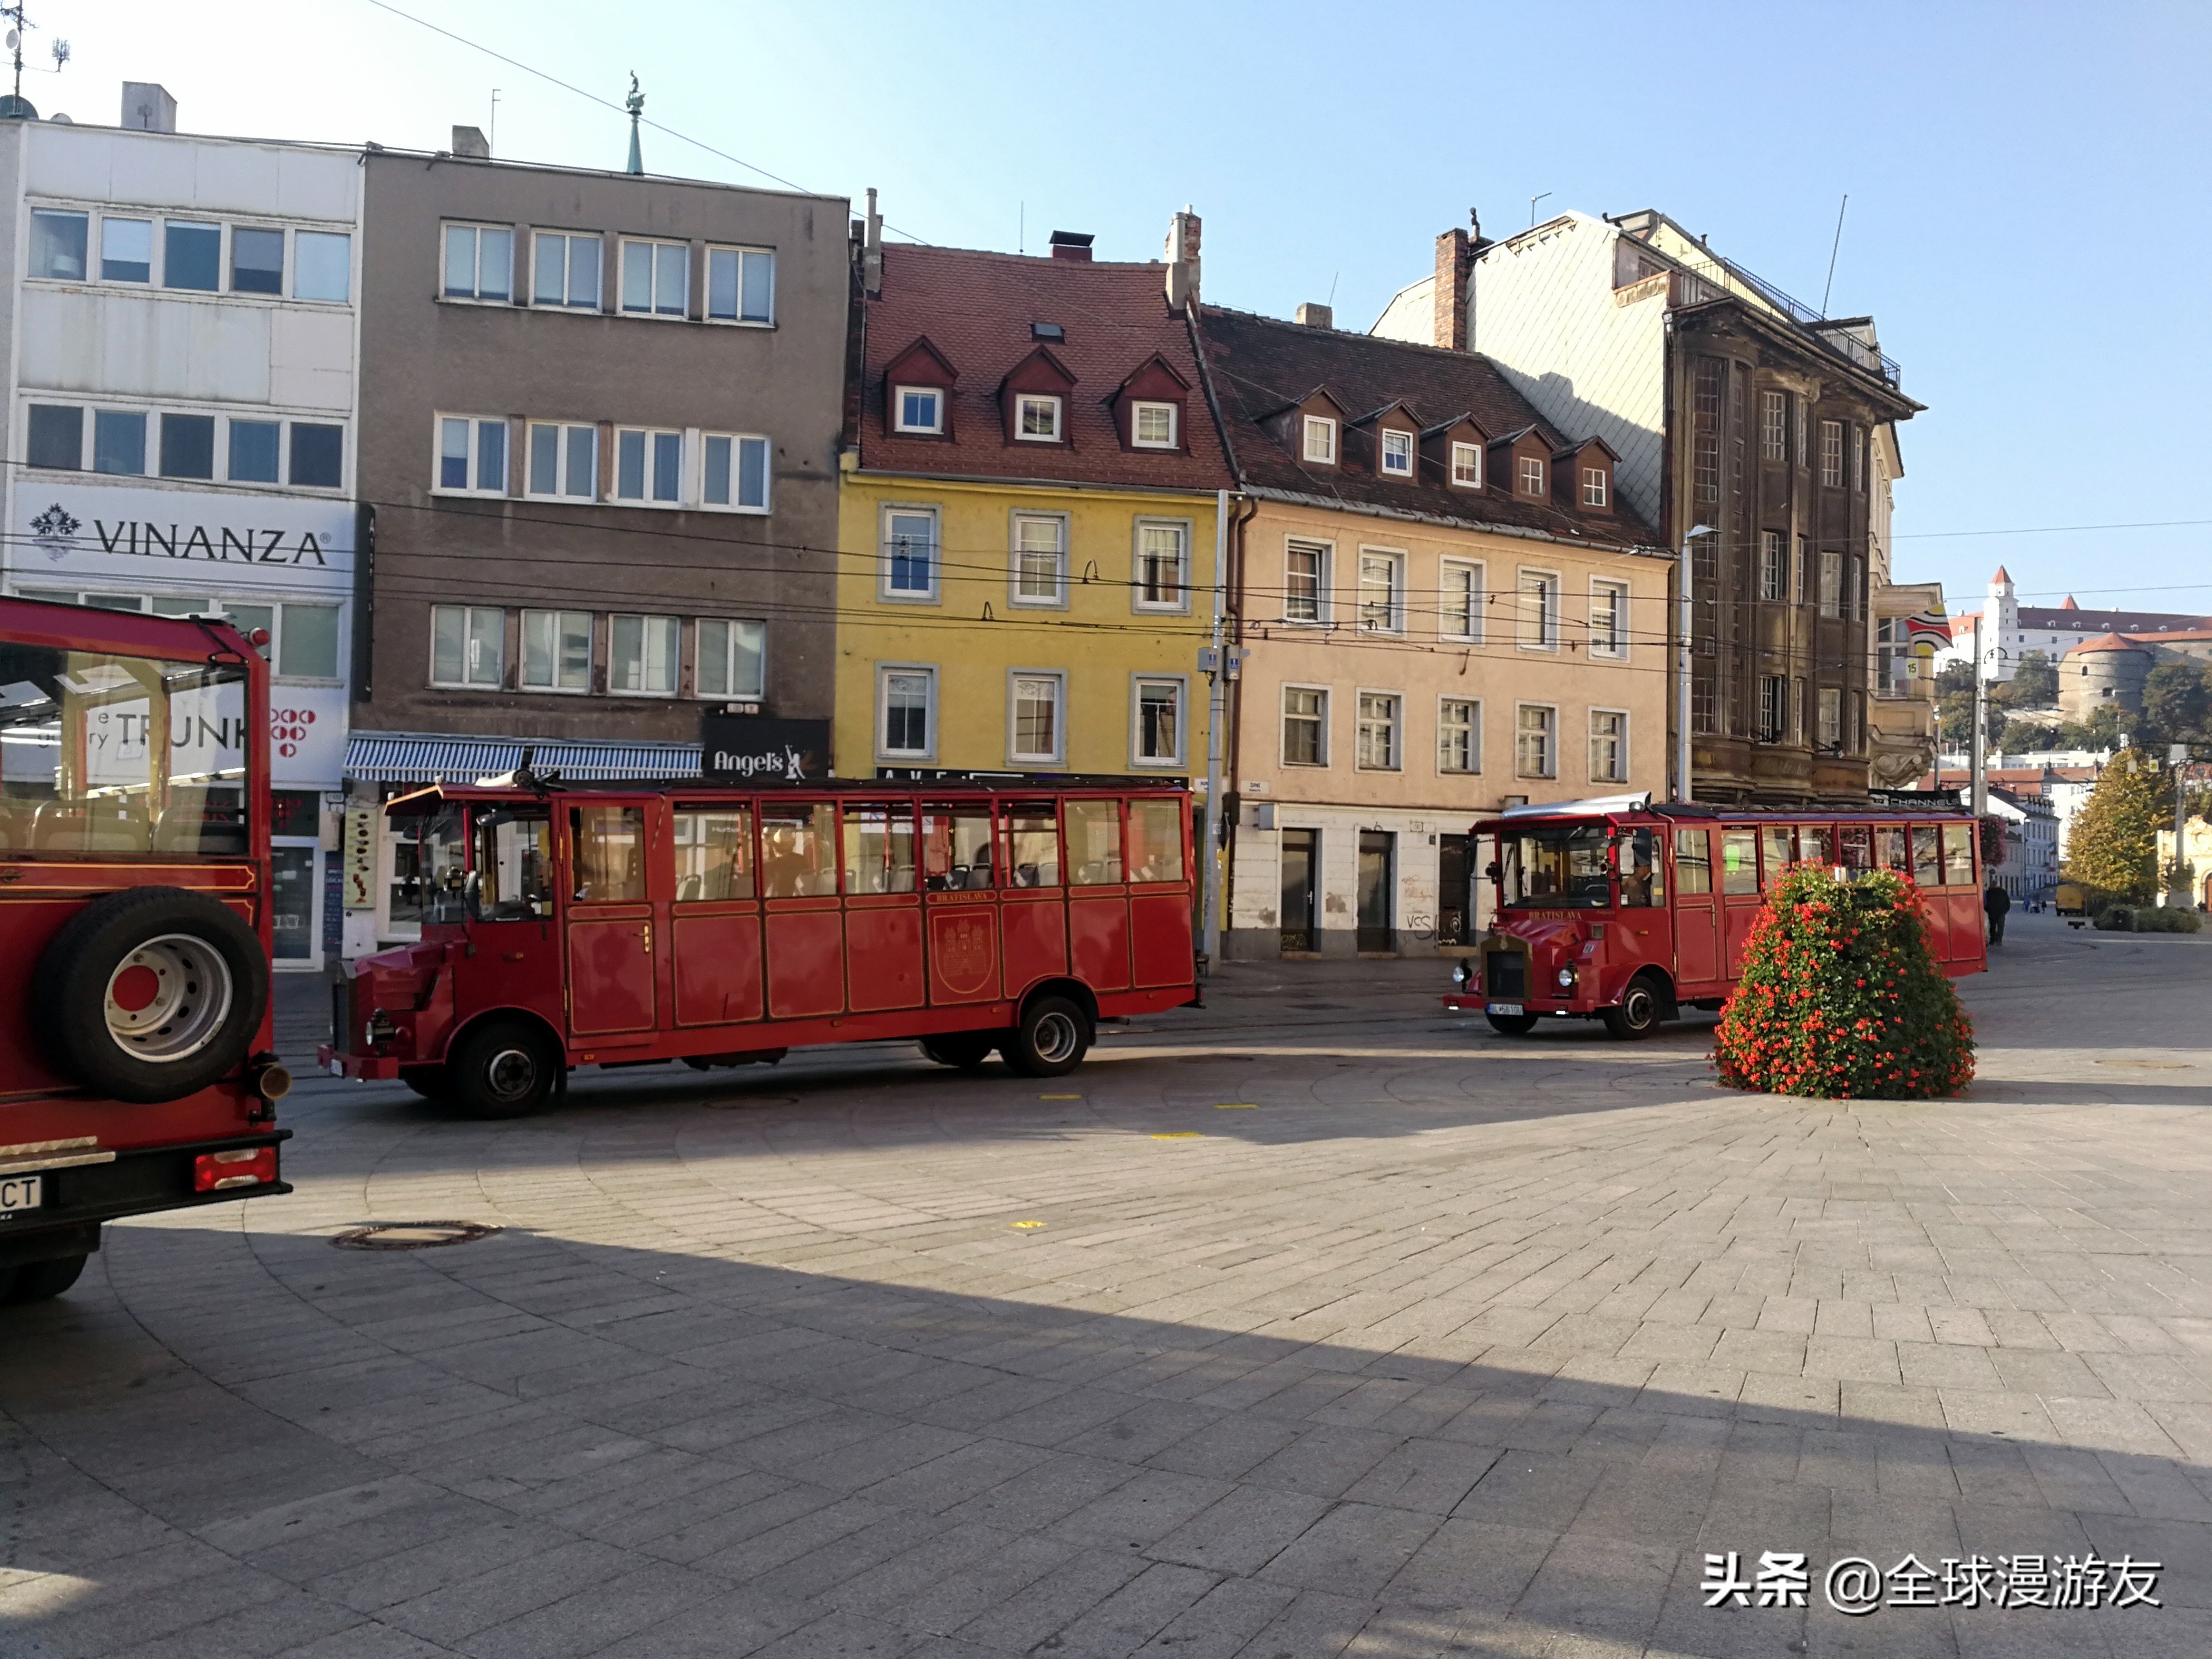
[420,757]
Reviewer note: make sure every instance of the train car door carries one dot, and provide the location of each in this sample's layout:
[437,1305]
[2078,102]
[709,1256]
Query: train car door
[515,946]
[1645,921]
[1697,917]
[1098,894]
[714,923]
[1160,946]
[1923,844]
[960,901]
[1032,905]
[802,921]
[1740,900]
[1962,892]
[612,970]
[883,908]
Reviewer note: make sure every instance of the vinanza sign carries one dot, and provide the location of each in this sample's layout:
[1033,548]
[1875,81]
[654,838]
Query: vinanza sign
[202,540]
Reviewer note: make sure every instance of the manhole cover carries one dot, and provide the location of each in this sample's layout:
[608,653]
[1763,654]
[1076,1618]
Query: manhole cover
[412,1234]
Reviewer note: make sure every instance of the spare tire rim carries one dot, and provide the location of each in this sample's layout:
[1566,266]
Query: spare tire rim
[1056,1038]
[168,998]
[511,1073]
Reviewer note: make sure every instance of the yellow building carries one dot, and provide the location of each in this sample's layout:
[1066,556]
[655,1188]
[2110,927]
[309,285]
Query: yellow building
[1027,526]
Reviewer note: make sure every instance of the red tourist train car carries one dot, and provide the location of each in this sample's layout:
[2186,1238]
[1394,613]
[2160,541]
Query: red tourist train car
[611,924]
[1620,910]
[135,1064]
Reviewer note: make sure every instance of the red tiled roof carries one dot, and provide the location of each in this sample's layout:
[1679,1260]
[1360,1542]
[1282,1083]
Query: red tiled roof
[2106,642]
[2002,576]
[2072,619]
[976,309]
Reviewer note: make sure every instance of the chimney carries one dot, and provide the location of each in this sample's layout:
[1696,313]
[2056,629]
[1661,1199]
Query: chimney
[871,251]
[1181,256]
[147,108]
[1313,316]
[1455,260]
[1071,245]
[469,141]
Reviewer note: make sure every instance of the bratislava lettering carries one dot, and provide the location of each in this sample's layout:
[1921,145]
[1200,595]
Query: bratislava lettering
[58,533]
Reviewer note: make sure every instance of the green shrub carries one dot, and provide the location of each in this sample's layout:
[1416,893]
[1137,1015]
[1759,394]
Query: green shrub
[1841,997]
[2146,919]
[2115,919]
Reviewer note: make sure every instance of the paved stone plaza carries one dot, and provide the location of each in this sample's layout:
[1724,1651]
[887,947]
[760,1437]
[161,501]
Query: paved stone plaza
[1316,1322]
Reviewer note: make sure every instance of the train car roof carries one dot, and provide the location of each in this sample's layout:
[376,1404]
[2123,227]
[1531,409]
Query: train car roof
[525,786]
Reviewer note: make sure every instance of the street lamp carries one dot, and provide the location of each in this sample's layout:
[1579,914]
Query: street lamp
[1682,790]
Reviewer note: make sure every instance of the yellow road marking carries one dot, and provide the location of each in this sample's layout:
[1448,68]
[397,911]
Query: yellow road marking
[1027,1224]
[1238,1106]
[1059,1097]
[1180,1135]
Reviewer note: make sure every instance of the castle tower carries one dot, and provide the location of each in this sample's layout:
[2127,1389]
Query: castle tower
[2001,636]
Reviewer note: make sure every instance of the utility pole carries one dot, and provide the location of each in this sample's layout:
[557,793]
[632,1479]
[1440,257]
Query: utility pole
[1978,778]
[2177,887]
[1683,791]
[1217,707]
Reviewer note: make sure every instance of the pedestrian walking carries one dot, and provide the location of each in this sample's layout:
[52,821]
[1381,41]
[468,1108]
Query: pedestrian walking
[1995,903]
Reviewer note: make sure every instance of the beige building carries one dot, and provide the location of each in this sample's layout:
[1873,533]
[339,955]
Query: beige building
[1444,609]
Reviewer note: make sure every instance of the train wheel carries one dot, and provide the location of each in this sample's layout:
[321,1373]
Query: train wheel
[1642,1008]
[963,1050]
[1051,1041]
[502,1069]
[42,1281]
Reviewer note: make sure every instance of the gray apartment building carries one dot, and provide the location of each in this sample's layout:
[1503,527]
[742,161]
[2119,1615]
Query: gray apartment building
[598,425]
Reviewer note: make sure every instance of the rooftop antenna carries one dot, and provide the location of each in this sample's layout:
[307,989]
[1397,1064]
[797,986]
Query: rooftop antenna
[635,104]
[1533,200]
[1022,228]
[491,140]
[22,26]
[1332,288]
[1833,250]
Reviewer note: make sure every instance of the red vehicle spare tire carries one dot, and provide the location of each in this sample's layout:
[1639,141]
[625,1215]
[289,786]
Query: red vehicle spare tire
[150,994]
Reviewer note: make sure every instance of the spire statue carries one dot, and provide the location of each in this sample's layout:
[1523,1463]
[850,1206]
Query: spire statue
[635,104]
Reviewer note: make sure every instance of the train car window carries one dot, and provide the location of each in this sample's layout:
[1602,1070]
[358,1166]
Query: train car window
[1889,844]
[713,852]
[1957,855]
[798,850]
[1855,848]
[1778,844]
[1094,842]
[1693,862]
[610,853]
[1927,856]
[1739,861]
[513,880]
[956,849]
[1816,844]
[1642,873]
[879,848]
[1155,840]
[1033,844]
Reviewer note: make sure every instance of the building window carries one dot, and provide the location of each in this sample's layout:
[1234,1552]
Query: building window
[1608,746]
[1893,658]
[1539,611]
[1798,708]
[1467,465]
[564,461]
[473,454]
[1159,722]
[1831,717]
[191,256]
[1533,747]
[1460,613]
[1800,410]
[1773,426]
[1855,740]
[1040,558]
[909,554]
[1305,582]
[1459,735]
[1531,476]
[1161,549]
[468,646]
[126,250]
[254,447]
[1154,426]
[257,260]
[1858,460]
[736,472]
[741,285]
[1706,383]
[732,658]
[322,266]
[1378,732]
[1305,725]
[188,446]
[479,261]
[656,279]
[119,442]
[1608,620]
[59,242]
[918,409]
[1773,707]
[57,437]
[1033,717]
[1382,592]
[1321,441]
[1037,418]
[1831,454]
[317,455]
[643,654]
[567,270]
[1773,565]
[1397,453]
[556,651]
[1594,489]
[1831,584]
[648,466]
[908,698]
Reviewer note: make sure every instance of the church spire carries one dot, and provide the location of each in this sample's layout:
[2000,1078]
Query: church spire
[635,104]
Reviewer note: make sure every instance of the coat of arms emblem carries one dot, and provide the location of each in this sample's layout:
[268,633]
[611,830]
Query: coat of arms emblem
[54,532]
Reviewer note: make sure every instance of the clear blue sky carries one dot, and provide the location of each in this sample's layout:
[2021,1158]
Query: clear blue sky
[2030,222]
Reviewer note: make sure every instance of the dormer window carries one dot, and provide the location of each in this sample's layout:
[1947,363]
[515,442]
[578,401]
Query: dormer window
[1037,418]
[918,409]
[1531,476]
[1321,441]
[1596,487]
[1467,467]
[1153,425]
[1397,453]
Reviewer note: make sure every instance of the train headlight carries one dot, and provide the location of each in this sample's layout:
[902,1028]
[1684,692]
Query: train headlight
[1461,974]
[1566,979]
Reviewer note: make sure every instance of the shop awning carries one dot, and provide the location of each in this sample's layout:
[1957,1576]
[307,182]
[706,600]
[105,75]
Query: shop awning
[417,757]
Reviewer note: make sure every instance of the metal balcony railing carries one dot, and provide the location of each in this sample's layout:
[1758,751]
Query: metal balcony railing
[1694,281]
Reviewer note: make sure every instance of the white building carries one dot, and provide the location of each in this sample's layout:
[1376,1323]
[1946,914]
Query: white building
[2031,862]
[2010,630]
[180,353]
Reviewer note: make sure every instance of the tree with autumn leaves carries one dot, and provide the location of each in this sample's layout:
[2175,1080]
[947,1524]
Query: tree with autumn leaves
[2113,844]
[1841,997]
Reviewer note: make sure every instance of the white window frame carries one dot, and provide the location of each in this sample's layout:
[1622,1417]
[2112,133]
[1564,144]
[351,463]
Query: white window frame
[1832,583]
[884,591]
[699,626]
[1393,728]
[1618,649]
[1323,568]
[95,254]
[1829,714]
[1138,759]
[1619,773]
[1323,428]
[1283,725]
[292,278]
[1597,491]
[1477,573]
[742,254]
[561,471]
[1394,611]
[1530,479]
[884,672]
[1773,425]
[522,652]
[675,663]
[1774,567]
[1550,585]
[1062,530]
[1858,458]
[567,302]
[469,615]
[623,307]
[1831,460]
[247,613]
[476,426]
[652,434]
[1050,400]
[1550,737]
[736,442]
[476,296]
[1385,453]
[899,423]
[1473,728]
[1470,455]
[1180,605]
[1137,413]
[1773,721]
[1016,755]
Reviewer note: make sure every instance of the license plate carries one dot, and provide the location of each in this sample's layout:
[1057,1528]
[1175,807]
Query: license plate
[1503,1008]
[337,1068]
[22,1193]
